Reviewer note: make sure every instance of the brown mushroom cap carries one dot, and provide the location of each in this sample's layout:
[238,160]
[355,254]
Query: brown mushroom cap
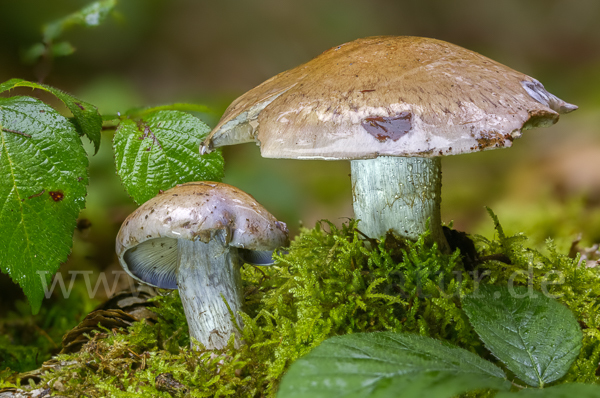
[147,241]
[390,96]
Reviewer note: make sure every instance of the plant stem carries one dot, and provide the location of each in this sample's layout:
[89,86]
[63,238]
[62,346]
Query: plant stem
[399,193]
[208,273]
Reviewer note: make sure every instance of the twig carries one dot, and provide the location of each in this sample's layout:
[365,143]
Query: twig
[111,124]
[261,271]
[498,257]
[46,335]
[37,194]
[132,352]
[372,241]
[16,132]
[173,335]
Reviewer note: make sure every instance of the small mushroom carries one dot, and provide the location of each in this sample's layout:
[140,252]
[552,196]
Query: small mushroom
[194,237]
[393,106]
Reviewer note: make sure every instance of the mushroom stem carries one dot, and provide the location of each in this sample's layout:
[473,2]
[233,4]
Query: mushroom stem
[401,194]
[207,271]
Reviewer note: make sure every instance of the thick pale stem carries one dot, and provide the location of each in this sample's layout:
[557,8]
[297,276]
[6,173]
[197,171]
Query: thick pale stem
[207,271]
[398,193]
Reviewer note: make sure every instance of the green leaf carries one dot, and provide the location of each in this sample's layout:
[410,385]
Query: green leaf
[535,336]
[62,49]
[86,118]
[160,151]
[43,169]
[89,16]
[388,364]
[560,391]
[33,53]
[184,107]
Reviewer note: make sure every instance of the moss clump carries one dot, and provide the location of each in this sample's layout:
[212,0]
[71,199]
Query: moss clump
[559,276]
[331,282]
[550,216]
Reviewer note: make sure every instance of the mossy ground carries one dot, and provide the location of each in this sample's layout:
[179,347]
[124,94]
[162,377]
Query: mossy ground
[332,282]
[27,340]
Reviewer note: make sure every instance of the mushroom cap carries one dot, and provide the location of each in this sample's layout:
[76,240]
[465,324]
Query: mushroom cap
[390,96]
[147,241]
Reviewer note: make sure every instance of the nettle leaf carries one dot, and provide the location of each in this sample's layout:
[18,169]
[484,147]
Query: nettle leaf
[86,118]
[179,106]
[535,336]
[43,169]
[160,151]
[568,390]
[389,364]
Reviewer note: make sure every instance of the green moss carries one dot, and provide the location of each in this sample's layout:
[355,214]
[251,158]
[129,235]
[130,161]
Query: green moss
[556,274]
[332,282]
[8,378]
[550,216]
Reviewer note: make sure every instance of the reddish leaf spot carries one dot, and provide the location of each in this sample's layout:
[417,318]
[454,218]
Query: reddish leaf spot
[391,127]
[56,196]
[80,106]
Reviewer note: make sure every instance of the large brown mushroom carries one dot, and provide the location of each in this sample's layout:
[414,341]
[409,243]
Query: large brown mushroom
[393,106]
[194,237]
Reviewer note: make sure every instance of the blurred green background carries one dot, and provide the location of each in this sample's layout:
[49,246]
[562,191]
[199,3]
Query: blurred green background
[154,52]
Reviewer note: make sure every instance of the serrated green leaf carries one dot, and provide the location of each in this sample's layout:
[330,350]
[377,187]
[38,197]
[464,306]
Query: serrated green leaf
[160,151]
[89,16]
[536,337]
[568,390]
[184,107]
[86,118]
[43,169]
[388,364]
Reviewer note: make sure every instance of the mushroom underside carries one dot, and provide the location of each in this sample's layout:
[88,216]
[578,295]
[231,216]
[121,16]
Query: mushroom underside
[154,262]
